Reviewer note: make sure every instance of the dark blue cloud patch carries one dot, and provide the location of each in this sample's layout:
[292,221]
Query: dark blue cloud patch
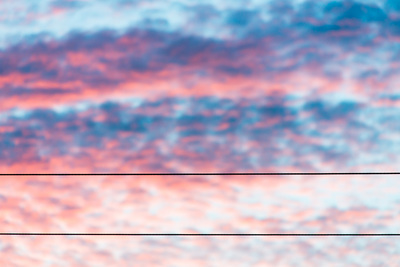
[134,63]
[26,91]
[362,12]
[280,111]
[328,28]
[184,49]
[234,71]
[355,11]
[84,42]
[32,67]
[326,112]
[392,5]
[393,28]
[5,65]
[241,17]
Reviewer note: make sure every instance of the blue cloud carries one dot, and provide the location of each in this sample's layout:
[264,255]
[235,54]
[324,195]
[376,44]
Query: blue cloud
[362,12]
[241,17]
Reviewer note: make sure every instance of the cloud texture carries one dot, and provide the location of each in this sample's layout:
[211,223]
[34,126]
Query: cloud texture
[199,86]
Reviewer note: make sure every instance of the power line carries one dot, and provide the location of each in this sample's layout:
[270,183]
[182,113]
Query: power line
[202,173]
[194,234]
[198,234]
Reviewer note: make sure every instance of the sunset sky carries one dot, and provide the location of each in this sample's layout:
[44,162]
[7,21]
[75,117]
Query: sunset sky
[120,86]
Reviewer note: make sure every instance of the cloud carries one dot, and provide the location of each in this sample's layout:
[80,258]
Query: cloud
[324,112]
[201,133]
[355,11]
[300,52]
[241,17]
[96,66]
[198,86]
[392,5]
[170,204]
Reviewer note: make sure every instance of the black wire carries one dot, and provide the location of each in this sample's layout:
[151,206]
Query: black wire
[176,234]
[204,173]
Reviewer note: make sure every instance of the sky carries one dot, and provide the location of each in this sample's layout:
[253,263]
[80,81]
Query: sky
[173,86]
